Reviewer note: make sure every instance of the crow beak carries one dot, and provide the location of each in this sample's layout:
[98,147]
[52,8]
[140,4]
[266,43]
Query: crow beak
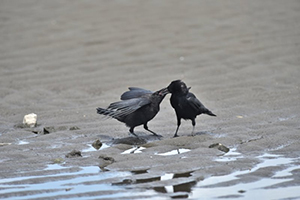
[189,88]
[164,91]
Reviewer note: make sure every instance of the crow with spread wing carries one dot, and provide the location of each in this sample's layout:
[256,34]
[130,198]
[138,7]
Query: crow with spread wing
[137,107]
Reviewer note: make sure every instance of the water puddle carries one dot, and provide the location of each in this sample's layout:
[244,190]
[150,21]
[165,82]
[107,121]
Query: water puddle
[285,172]
[22,142]
[63,182]
[174,152]
[133,150]
[91,148]
[147,180]
[233,186]
[55,167]
[179,190]
[169,153]
[143,171]
[232,155]
[60,185]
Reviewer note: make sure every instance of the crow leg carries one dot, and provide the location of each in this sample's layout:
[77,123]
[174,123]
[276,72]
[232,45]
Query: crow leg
[175,135]
[146,128]
[178,124]
[193,123]
[132,132]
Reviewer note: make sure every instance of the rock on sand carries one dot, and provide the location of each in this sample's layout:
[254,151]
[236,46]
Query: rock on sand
[30,120]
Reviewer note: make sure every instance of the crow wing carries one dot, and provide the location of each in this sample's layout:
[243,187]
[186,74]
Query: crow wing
[134,92]
[195,103]
[126,107]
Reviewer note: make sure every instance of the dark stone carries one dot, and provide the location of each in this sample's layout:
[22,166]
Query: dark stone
[74,153]
[97,144]
[49,129]
[36,131]
[107,159]
[124,182]
[220,147]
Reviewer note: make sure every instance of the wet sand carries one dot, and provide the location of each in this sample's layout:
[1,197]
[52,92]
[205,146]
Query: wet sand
[62,59]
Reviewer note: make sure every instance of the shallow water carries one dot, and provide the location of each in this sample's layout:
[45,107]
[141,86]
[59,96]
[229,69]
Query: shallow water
[91,148]
[22,142]
[59,184]
[169,153]
[133,150]
[174,152]
[264,188]
[232,155]
[91,182]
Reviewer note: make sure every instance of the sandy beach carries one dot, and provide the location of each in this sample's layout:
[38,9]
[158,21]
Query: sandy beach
[63,59]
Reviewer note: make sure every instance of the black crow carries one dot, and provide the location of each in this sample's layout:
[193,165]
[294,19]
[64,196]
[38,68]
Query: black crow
[185,103]
[137,107]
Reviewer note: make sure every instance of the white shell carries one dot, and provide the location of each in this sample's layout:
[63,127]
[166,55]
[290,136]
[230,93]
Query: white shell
[30,120]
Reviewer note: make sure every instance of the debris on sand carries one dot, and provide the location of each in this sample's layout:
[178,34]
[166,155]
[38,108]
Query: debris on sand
[220,147]
[4,144]
[135,140]
[73,128]
[30,120]
[107,158]
[74,153]
[105,161]
[51,129]
[124,182]
[58,160]
[48,130]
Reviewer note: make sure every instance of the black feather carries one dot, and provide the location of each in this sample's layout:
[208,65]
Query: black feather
[185,103]
[138,106]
